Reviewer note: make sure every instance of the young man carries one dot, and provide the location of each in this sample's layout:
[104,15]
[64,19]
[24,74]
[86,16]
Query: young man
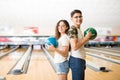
[77,40]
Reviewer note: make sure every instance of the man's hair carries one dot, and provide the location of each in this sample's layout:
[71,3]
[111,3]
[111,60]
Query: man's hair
[75,11]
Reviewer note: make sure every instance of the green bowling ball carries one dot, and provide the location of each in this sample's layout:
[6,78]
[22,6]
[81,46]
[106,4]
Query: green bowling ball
[93,31]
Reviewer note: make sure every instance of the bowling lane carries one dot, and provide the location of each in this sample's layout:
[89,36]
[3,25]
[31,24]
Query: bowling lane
[40,68]
[7,62]
[101,53]
[114,50]
[112,75]
[4,50]
[93,75]
[3,47]
[51,53]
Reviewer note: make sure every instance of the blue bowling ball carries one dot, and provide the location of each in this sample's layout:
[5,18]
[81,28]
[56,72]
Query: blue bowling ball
[52,40]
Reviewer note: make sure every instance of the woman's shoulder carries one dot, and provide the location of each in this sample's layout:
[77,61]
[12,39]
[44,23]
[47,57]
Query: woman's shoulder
[65,37]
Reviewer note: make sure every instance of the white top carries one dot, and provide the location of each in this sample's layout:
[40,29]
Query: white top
[80,53]
[62,41]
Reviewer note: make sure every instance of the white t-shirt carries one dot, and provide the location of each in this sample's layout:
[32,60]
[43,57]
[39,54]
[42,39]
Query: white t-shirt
[80,53]
[62,41]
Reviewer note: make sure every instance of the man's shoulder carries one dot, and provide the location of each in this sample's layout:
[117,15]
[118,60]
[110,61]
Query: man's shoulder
[73,32]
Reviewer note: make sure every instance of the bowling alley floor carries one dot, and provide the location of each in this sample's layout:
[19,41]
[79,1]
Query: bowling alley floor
[40,68]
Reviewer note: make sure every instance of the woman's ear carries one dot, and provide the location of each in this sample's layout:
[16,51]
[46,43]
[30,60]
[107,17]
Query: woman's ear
[66,27]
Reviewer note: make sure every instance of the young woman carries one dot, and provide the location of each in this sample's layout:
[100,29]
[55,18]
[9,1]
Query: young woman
[61,52]
[77,40]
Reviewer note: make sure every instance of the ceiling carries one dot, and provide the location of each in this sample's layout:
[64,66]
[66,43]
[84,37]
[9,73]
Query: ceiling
[46,13]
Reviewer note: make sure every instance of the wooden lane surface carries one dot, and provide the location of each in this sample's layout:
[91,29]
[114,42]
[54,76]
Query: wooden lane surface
[114,50]
[16,77]
[4,50]
[106,55]
[112,75]
[92,75]
[40,68]
[7,62]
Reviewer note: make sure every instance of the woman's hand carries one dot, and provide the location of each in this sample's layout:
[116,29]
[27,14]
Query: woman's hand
[51,47]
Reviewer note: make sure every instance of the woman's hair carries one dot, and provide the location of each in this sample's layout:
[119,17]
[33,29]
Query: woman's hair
[75,11]
[57,33]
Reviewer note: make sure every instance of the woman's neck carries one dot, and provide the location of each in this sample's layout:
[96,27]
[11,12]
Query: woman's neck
[62,34]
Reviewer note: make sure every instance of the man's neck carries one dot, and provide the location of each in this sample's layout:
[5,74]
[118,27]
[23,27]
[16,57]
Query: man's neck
[77,26]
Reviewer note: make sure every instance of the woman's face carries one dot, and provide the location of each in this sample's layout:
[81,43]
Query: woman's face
[62,27]
[77,19]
